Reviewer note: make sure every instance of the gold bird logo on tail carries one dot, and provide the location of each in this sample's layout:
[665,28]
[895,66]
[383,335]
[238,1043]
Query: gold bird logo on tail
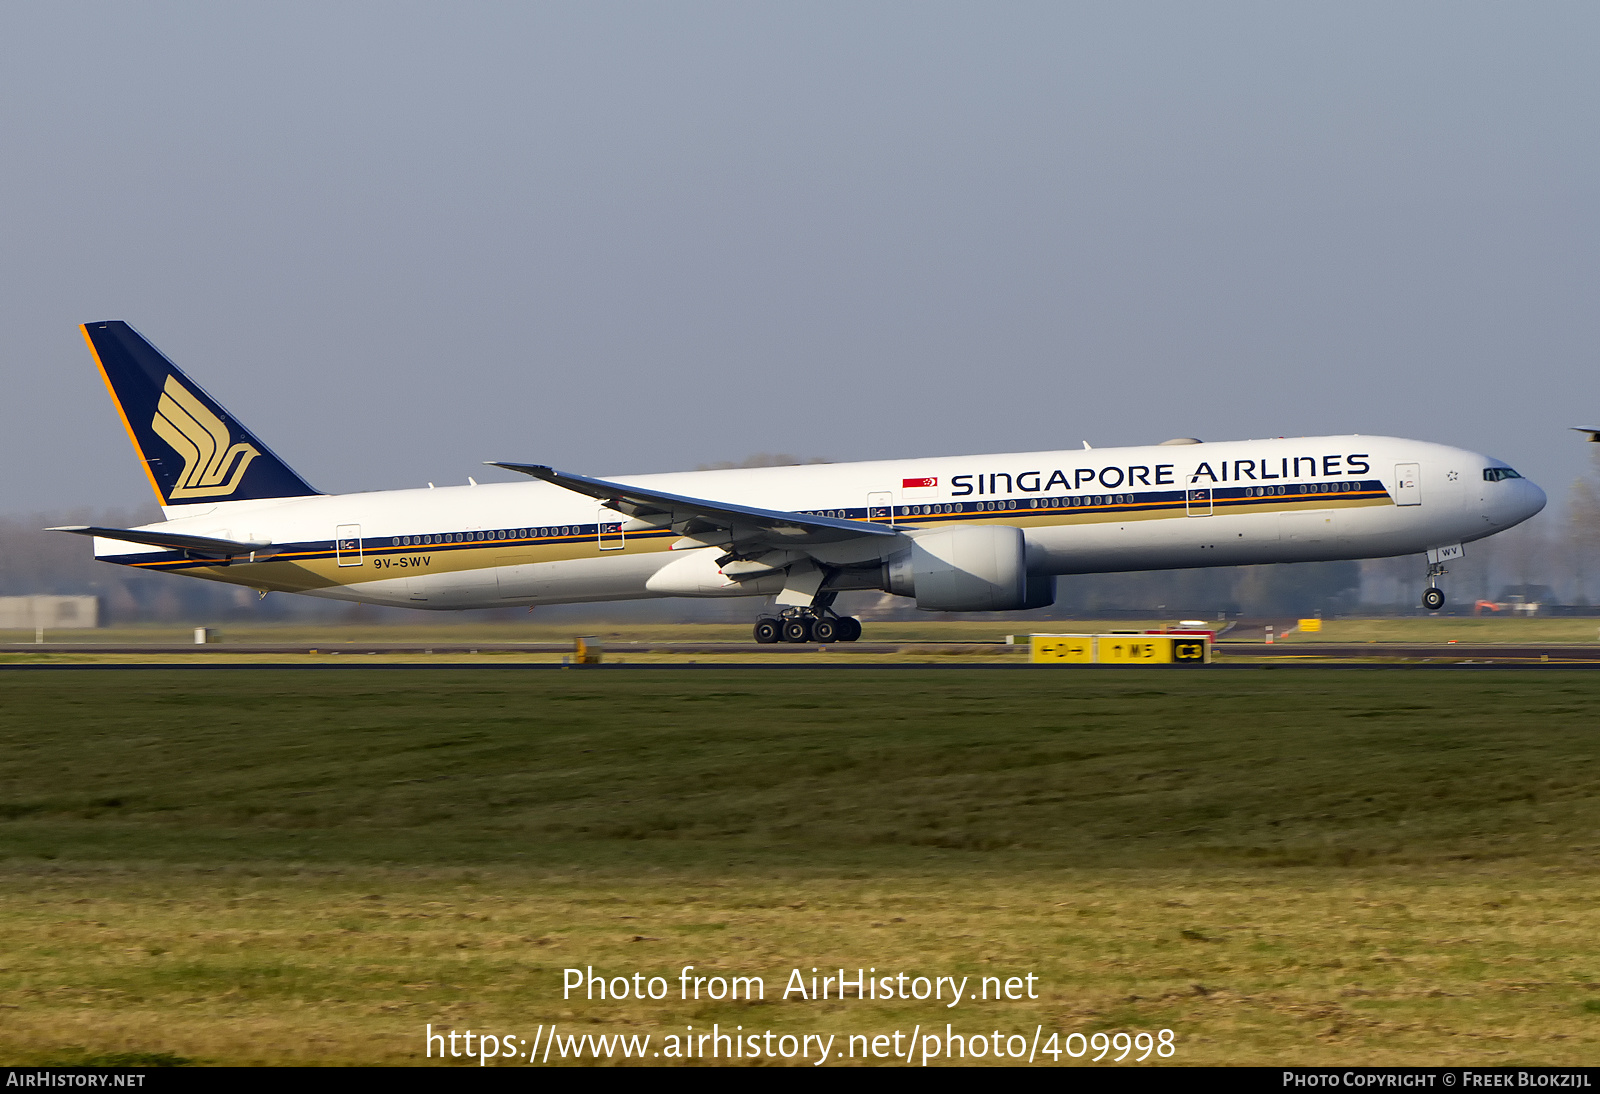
[211,467]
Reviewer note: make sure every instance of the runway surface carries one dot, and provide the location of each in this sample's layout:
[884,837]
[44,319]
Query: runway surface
[1304,652]
[356,665]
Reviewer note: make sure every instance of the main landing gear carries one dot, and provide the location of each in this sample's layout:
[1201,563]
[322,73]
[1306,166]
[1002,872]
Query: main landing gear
[1433,596]
[807,625]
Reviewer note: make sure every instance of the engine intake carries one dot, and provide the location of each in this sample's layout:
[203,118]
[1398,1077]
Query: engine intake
[983,568]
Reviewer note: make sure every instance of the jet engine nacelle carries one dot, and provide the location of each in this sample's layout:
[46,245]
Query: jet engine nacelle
[982,568]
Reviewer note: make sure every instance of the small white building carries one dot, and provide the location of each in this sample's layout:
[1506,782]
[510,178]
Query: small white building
[55,613]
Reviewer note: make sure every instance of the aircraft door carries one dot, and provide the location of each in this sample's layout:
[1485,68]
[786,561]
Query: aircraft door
[608,525]
[347,544]
[1407,484]
[1198,502]
[880,507]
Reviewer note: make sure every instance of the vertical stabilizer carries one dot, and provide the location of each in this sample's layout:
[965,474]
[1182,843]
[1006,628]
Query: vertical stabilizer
[193,450]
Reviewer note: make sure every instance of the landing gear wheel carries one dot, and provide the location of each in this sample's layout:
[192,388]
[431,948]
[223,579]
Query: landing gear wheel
[827,630]
[849,629]
[1433,599]
[797,629]
[769,630]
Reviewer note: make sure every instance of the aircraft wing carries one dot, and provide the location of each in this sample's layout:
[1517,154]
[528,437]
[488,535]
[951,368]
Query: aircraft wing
[201,546]
[708,521]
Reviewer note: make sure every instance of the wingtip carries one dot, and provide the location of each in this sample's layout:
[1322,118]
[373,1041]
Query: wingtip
[537,470]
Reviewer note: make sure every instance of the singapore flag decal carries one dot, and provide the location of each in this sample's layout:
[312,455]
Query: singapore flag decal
[918,484]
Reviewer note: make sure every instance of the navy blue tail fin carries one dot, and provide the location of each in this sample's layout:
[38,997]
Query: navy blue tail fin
[193,450]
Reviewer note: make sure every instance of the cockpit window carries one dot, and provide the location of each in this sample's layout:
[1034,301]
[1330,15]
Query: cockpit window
[1495,474]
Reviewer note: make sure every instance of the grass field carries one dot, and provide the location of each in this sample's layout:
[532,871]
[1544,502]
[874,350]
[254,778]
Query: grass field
[1451,628]
[1281,866]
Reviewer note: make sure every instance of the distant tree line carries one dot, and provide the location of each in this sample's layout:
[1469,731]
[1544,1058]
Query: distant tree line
[36,562]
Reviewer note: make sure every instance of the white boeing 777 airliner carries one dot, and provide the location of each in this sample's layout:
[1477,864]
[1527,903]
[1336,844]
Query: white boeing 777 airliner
[956,533]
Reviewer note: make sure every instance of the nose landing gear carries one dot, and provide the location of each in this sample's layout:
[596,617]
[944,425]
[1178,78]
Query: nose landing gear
[807,625]
[1433,596]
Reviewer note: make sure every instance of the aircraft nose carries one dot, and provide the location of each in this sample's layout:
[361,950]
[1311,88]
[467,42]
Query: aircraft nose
[1527,500]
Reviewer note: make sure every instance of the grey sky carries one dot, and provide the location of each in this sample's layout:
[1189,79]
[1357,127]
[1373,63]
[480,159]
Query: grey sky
[397,240]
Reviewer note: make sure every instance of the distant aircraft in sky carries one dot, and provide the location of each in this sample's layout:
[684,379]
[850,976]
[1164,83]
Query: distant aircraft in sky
[953,533]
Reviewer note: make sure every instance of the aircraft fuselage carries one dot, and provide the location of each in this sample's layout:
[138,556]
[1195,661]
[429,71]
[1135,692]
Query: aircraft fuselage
[1079,512]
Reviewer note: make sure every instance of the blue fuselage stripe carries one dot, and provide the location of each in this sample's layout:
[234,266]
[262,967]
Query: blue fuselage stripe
[1113,505]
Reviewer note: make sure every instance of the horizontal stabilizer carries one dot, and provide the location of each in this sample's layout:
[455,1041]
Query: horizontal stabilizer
[689,516]
[199,546]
